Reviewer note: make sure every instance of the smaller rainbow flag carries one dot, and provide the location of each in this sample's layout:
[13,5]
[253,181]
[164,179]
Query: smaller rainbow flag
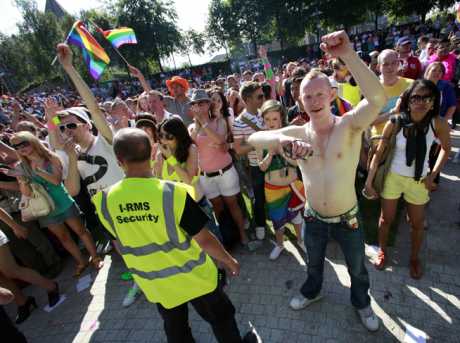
[94,55]
[121,36]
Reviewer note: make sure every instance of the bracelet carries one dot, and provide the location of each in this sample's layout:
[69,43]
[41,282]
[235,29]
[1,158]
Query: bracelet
[172,161]
[205,125]
[230,146]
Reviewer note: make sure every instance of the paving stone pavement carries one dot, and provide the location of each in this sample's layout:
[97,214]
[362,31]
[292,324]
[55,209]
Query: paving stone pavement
[262,292]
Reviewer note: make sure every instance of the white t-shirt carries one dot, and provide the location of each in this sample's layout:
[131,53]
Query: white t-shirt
[101,169]
[97,167]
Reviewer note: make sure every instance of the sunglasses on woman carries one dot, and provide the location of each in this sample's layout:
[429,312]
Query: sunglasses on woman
[69,126]
[23,144]
[421,98]
[165,135]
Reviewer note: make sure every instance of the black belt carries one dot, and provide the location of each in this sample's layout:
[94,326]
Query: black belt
[219,172]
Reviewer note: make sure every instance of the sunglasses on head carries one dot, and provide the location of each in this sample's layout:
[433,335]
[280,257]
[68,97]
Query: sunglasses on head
[69,126]
[165,135]
[23,144]
[421,98]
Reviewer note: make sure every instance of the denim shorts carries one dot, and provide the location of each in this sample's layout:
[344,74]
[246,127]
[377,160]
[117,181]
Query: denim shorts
[71,212]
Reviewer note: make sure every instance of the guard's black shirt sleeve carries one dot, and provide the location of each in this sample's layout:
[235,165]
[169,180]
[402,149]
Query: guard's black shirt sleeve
[193,218]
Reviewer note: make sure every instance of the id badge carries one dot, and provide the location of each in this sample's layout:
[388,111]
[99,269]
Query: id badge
[353,223]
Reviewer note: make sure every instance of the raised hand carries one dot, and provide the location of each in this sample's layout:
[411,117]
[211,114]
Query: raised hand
[64,55]
[134,71]
[263,52]
[51,108]
[336,44]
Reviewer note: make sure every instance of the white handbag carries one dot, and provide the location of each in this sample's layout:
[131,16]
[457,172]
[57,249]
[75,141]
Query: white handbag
[39,204]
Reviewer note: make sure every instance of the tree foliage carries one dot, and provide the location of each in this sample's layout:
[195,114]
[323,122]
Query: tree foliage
[155,25]
[192,42]
[419,7]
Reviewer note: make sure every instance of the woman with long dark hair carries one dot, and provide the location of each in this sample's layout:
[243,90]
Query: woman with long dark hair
[416,127]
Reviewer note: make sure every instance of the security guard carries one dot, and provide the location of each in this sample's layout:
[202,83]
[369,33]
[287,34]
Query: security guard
[161,236]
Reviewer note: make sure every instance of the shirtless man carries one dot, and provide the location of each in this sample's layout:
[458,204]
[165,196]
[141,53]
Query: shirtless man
[328,151]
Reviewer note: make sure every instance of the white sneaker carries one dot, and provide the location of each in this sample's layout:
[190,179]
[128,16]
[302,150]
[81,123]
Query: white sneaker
[299,302]
[132,295]
[301,245]
[369,319]
[260,232]
[276,252]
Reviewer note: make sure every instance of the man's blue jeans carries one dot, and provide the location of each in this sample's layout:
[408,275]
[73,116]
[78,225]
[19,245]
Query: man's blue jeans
[351,241]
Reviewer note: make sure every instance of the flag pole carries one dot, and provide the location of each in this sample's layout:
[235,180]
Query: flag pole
[114,48]
[65,42]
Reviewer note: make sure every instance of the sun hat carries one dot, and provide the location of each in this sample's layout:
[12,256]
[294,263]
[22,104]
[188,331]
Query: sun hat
[199,95]
[178,80]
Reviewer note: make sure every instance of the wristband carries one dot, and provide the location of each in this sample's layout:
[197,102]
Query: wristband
[172,161]
[205,125]
[51,126]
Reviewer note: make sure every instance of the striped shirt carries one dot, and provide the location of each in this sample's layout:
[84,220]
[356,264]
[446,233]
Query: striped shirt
[242,131]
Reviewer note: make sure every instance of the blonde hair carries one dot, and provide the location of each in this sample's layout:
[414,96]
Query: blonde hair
[39,148]
[274,106]
[315,74]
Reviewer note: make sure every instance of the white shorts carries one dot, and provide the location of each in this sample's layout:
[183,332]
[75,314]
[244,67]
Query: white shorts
[3,238]
[226,185]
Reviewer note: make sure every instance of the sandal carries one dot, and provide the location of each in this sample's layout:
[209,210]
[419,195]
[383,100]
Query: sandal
[415,269]
[80,269]
[97,263]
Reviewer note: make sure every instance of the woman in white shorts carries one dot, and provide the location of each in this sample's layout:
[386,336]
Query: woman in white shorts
[219,179]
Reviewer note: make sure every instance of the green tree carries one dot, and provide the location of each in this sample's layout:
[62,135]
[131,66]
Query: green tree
[419,7]
[39,33]
[193,42]
[154,22]
[221,29]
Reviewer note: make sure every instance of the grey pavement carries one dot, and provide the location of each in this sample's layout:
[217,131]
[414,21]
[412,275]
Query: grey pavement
[262,292]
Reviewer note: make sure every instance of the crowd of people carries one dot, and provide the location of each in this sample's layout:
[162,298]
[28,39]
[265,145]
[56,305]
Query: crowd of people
[253,151]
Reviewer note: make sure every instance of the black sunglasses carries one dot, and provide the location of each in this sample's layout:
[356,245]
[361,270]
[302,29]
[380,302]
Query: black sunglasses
[419,98]
[165,135]
[70,126]
[23,144]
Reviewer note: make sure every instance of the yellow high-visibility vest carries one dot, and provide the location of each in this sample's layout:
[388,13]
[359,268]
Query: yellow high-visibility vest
[350,93]
[144,215]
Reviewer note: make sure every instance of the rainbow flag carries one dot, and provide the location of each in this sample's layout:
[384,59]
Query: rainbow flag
[121,36]
[94,55]
[457,9]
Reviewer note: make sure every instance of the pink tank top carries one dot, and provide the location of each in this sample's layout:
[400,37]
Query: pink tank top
[212,158]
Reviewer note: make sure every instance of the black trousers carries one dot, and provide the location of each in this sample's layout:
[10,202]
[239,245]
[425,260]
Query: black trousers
[215,307]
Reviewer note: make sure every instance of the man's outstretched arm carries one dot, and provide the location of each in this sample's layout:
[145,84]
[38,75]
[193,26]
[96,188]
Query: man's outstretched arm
[338,45]
[65,58]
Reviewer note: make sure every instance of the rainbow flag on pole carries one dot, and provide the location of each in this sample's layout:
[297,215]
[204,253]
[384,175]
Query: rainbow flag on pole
[121,36]
[94,55]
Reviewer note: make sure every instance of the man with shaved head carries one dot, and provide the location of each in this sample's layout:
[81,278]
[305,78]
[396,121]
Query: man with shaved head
[167,253]
[327,149]
[393,85]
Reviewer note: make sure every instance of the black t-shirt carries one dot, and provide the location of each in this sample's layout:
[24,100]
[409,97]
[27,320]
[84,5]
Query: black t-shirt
[193,218]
